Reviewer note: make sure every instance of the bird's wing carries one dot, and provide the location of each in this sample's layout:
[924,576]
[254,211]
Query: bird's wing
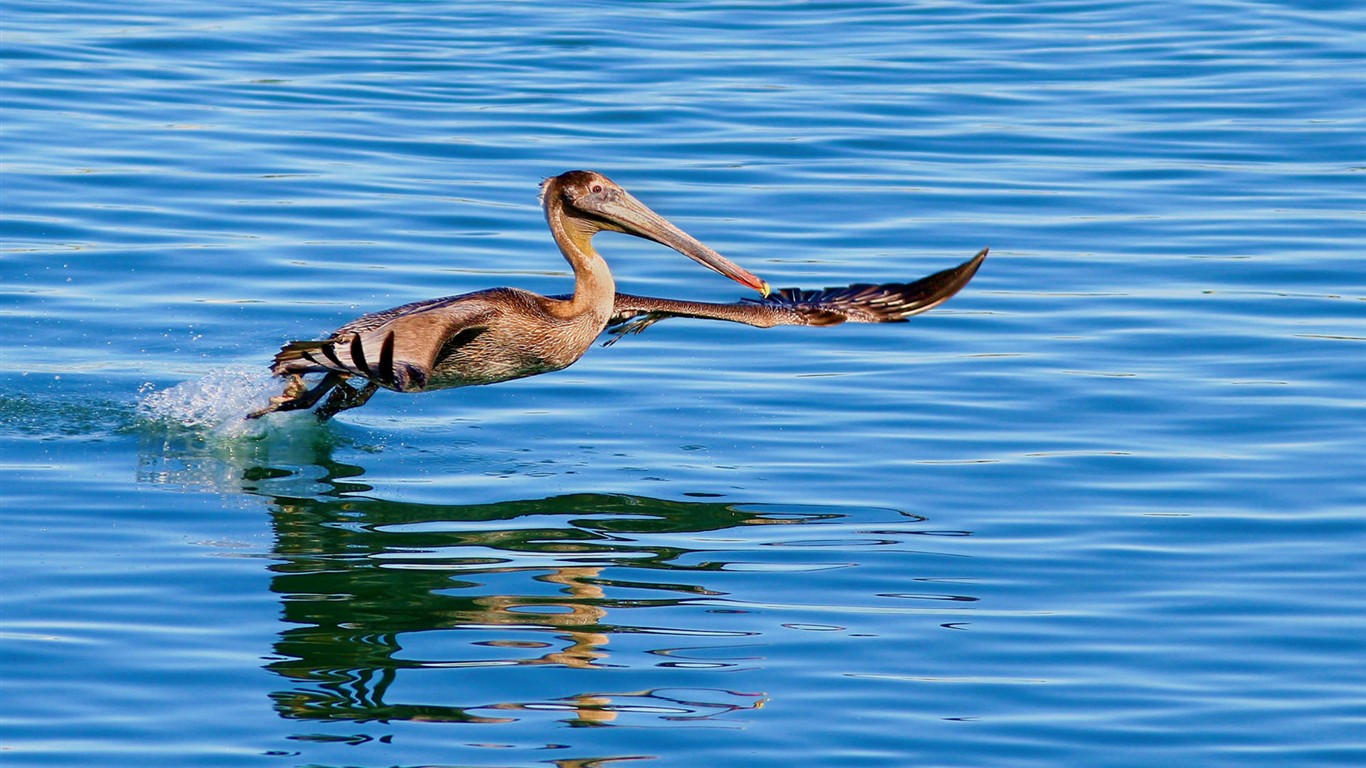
[858,303]
[397,348]
[376,319]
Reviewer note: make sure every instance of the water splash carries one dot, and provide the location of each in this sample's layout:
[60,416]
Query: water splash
[217,403]
[195,436]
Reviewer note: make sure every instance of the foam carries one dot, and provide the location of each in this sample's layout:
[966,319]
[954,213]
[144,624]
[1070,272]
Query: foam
[218,402]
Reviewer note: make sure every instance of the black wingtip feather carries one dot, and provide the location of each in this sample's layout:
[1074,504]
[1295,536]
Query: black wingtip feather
[386,361]
[358,357]
[330,352]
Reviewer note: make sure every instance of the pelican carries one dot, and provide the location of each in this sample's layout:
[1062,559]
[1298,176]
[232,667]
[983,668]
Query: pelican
[504,333]
[493,335]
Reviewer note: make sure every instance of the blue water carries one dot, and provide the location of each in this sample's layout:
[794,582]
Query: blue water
[1104,508]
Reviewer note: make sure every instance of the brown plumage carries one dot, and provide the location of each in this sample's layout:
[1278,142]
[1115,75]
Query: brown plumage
[494,335]
[505,333]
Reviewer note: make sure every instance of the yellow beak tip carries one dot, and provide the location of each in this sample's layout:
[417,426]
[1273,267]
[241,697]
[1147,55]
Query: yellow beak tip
[764,288]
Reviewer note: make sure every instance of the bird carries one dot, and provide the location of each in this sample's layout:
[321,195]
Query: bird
[493,335]
[501,334]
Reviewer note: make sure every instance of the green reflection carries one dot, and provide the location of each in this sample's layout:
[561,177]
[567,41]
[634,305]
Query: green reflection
[374,590]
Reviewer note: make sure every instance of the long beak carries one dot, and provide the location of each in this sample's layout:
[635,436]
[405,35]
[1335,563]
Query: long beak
[635,218]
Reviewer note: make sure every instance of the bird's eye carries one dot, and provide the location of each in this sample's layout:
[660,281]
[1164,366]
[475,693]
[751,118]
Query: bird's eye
[597,189]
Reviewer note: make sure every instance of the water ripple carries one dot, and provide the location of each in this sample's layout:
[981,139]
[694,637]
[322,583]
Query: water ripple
[1110,490]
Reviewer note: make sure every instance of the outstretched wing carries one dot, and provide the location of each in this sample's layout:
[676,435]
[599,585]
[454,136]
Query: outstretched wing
[858,303]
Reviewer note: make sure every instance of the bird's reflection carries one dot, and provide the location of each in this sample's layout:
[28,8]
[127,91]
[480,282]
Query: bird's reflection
[422,612]
[523,610]
[374,588]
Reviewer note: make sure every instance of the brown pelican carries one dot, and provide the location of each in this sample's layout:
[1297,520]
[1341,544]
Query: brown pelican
[494,335]
[504,333]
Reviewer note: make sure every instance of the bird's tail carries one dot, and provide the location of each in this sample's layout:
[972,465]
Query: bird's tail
[301,357]
[347,354]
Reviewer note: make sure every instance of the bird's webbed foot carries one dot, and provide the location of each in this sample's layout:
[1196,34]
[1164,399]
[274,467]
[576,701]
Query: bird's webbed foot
[297,395]
[345,397]
[632,325]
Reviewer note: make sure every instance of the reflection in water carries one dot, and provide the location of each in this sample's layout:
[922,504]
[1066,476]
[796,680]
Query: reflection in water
[374,588]
[525,581]
[519,610]
[376,591]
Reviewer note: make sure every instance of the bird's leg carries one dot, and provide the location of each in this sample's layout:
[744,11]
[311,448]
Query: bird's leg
[298,396]
[345,397]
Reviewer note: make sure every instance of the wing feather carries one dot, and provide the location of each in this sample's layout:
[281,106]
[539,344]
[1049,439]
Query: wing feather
[857,303]
[398,348]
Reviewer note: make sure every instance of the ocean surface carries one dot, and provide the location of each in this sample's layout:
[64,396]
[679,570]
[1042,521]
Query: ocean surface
[1106,507]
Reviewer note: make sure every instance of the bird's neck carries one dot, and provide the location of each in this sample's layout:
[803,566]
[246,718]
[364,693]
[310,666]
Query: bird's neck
[594,288]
